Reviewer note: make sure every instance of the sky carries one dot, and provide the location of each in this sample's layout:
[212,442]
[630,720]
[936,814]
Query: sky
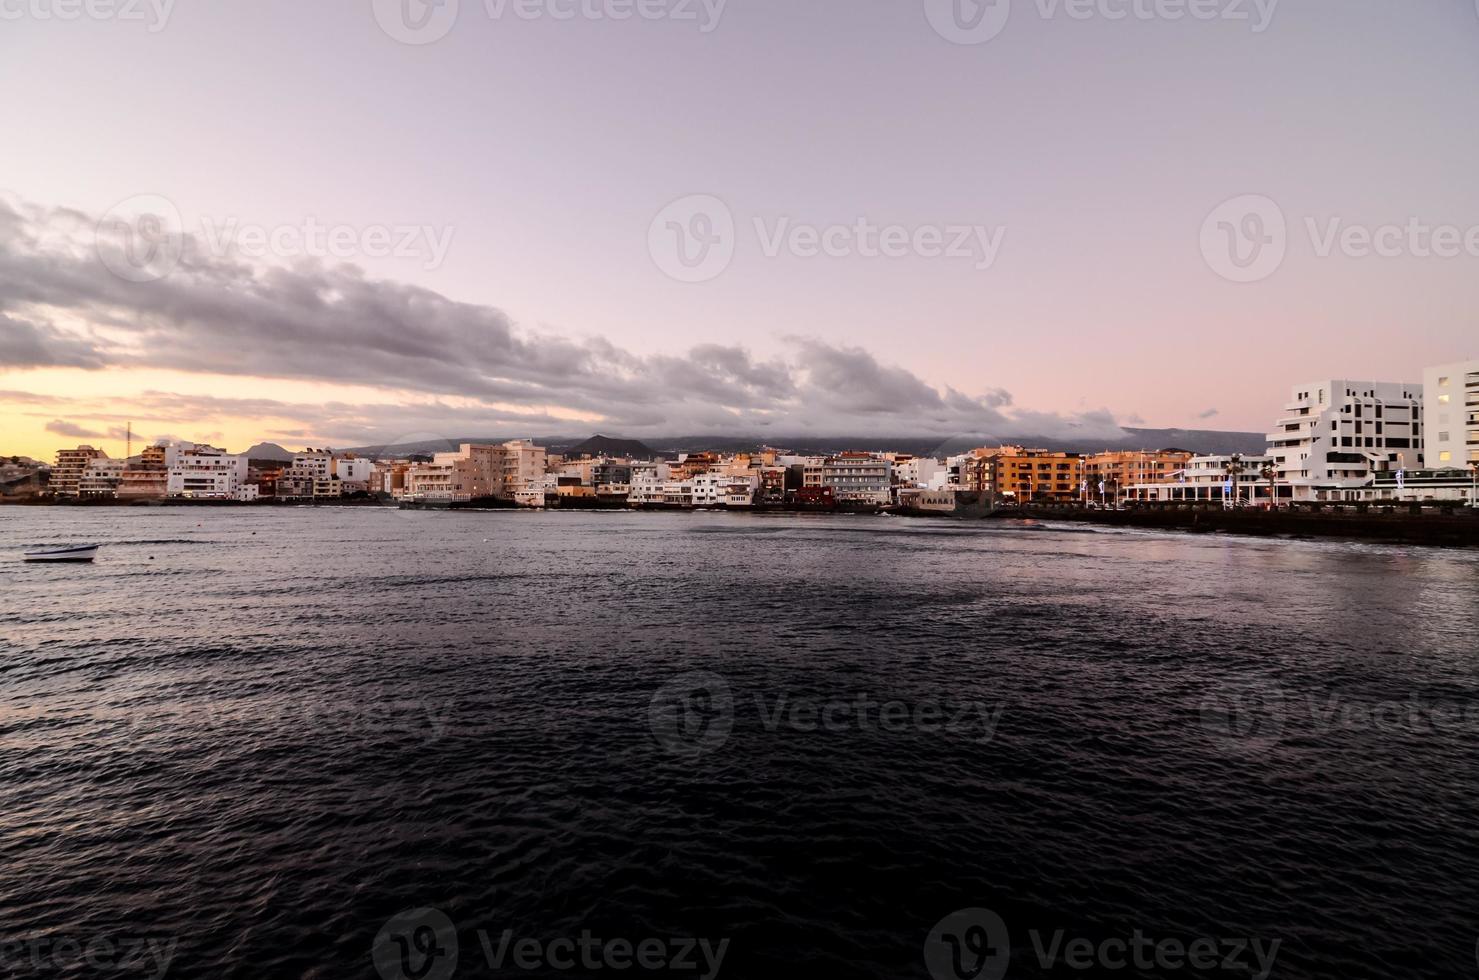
[350,222]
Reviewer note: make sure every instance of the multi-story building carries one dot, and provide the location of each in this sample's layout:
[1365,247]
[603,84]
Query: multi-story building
[352,469]
[1120,470]
[692,464]
[523,465]
[919,471]
[1220,479]
[318,464]
[146,477]
[1451,413]
[1034,475]
[855,478]
[100,478]
[66,474]
[1334,435]
[205,473]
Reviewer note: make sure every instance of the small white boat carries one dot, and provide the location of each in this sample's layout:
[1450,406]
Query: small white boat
[81,552]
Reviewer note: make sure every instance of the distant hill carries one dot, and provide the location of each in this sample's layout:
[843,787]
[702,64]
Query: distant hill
[599,445]
[1203,441]
[271,451]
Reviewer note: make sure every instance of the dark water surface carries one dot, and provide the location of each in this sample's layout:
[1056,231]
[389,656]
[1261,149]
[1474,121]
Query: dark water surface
[260,734]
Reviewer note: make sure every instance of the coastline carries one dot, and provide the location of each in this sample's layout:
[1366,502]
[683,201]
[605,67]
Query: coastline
[1449,527]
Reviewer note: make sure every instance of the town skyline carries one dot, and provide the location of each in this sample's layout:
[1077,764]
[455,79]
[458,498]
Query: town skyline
[740,230]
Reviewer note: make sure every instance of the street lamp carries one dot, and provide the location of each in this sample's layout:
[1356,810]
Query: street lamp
[1474,483]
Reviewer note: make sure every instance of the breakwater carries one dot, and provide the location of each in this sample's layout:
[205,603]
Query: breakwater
[1456,526]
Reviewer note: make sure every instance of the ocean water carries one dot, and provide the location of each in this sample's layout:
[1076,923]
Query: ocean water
[358,742]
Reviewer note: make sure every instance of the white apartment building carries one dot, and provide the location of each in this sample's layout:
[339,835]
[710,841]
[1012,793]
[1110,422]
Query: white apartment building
[1206,478]
[66,473]
[204,472]
[716,489]
[316,464]
[1451,410]
[1334,435]
[921,471]
[353,469]
[100,477]
[855,478]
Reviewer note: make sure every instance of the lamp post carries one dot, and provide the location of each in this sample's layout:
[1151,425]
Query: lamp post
[1474,483]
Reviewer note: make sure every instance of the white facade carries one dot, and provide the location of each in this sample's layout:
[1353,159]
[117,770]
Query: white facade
[314,464]
[100,477]
[1334,435]
[856,478]
[203,472]
[354,470]
[1451,410]
[921,471]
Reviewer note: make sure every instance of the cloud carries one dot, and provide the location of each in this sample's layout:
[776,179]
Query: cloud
[34,345]
[64,428]
[1209,413]
[464,365]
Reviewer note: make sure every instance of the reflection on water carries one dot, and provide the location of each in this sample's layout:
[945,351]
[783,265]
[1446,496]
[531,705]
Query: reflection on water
[264,733]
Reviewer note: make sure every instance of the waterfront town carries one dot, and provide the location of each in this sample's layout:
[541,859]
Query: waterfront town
[1333,441]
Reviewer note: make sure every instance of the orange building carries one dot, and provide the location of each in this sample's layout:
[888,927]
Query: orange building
[1036,475]
[1122,470]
